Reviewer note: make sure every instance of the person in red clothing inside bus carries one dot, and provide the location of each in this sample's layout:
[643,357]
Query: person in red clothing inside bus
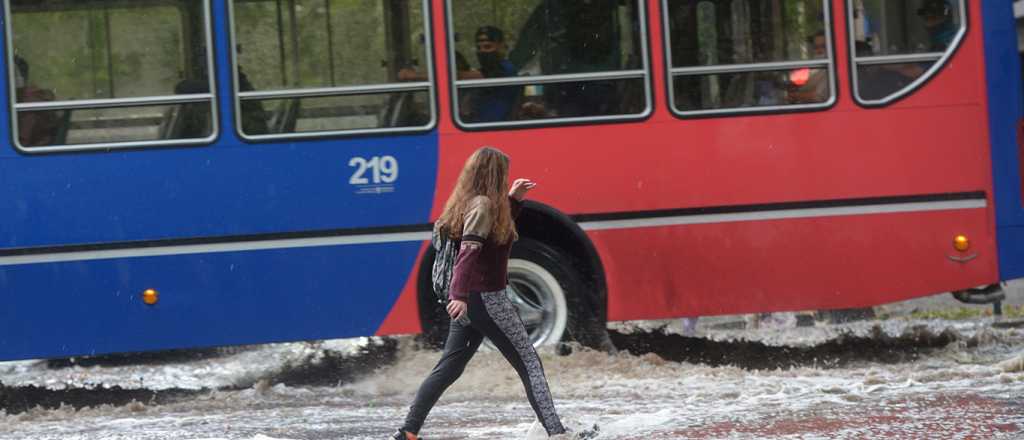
[35,128]
[481,213]
[809,86]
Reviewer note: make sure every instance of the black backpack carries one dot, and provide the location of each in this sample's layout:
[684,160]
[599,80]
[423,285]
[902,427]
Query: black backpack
[445,251]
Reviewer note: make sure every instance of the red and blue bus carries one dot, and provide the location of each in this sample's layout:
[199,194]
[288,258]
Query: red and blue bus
[194,173]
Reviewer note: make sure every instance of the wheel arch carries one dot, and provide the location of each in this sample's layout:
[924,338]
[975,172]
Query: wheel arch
[548,225]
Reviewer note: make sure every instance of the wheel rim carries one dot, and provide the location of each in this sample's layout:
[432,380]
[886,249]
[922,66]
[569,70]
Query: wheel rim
[540,301]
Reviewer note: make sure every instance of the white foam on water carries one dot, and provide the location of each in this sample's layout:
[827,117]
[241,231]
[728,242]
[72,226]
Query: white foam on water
[240,369]
[257,437]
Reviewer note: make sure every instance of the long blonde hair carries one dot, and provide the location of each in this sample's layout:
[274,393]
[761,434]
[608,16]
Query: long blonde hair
[484,174]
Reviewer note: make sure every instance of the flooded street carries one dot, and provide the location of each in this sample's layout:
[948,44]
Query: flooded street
[835,186]
[897,378]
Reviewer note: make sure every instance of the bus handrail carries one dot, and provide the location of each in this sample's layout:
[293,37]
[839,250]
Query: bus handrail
[115,102]
[335,91]
[749,67]
[898,59]
[548,79]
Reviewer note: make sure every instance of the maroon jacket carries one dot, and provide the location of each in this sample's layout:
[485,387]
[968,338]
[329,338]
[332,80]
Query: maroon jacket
[482,263]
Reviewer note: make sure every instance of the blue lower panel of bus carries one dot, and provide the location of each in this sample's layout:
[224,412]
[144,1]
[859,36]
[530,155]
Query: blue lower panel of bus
[1011,252]
[1003,77]
[95,307]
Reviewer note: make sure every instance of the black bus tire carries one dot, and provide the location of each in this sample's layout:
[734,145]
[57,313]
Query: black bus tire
[546,279]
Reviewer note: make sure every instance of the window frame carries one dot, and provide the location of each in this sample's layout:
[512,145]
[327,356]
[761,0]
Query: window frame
[91,104]
[326,92]
[644,73]
[829,63]
[940,59]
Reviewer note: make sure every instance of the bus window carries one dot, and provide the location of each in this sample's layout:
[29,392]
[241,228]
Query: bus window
[326,67]
[527,62]
[117,74]
[896,46]
[749,56]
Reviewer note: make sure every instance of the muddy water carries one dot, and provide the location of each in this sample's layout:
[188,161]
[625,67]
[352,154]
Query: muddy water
[899,379]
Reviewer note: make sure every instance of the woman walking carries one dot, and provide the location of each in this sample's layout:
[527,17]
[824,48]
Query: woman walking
[481,214]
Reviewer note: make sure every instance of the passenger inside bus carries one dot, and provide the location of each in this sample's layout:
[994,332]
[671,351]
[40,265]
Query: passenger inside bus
[878,81]
[494,104]
[572,38]
[713,35]
[938,20]
[808,86]
[189,120]
[254,117]
[462,71]
[582,41]
[35,128]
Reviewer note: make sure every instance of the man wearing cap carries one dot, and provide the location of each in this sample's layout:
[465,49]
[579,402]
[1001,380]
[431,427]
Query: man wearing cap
[938,20]
[494,104]
[877,82]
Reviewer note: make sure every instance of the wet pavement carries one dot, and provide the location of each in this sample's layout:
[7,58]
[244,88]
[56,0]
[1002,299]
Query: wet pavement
[898,378]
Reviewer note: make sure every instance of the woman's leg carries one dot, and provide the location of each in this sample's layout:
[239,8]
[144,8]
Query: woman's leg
[495,316]
[459,348]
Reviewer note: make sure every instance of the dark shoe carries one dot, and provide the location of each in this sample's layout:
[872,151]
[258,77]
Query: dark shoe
[573,434]
[402,435]
[587,434]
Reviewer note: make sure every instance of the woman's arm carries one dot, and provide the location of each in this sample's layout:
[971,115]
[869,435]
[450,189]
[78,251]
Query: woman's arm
[517,193]
[514,207]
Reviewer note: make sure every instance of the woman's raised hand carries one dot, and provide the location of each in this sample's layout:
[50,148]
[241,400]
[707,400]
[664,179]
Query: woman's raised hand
[520,187]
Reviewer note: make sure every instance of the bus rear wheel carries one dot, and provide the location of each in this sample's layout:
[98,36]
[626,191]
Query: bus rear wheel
[554,301]
[540,285]
[544,287]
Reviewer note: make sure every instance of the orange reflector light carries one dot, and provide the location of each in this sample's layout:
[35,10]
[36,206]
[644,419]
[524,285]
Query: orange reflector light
[150,296]
[961,243]
[800,77]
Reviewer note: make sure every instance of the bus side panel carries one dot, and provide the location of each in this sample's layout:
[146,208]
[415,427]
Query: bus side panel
[404,317]
[742,160]
[834,155]
[220,193]
[95,307]
[221,190]
[228,192]
[1005,112]
[793,264]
